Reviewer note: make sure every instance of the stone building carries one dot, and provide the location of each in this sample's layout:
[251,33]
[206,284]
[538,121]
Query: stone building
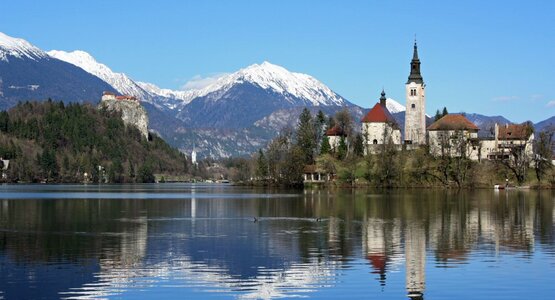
[415,115]
[379,127]
[454,135]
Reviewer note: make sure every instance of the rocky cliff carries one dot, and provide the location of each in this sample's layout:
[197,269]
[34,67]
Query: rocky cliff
[132,113]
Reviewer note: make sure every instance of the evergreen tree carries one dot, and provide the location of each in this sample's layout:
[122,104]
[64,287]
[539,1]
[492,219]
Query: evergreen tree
[342,148]
[262,165]
[438,115]
[325,147]
[145,174]
[444,112]
[306,136]
[359,145]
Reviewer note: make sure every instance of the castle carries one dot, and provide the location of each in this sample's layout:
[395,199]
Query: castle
[132,112]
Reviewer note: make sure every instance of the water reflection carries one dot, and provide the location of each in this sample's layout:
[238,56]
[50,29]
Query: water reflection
[208,243]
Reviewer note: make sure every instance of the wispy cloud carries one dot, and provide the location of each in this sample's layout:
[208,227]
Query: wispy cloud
[199,82]
[536,97]
[550,103]
[505,98]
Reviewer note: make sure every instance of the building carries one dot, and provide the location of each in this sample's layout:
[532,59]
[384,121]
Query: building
[512,136]
[454,135]
[315,174]
[415,115]
[111,96]
[334,135]
[379,127]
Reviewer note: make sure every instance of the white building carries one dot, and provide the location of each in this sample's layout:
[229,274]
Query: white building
[510,136]
[415,115]
[454,135]
[379,127]
[334,135]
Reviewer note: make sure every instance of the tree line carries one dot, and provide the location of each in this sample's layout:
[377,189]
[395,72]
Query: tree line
[54,142]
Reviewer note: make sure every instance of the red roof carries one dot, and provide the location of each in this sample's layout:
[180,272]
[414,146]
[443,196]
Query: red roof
[515,131]
[453,122]
[378,261]
[335,131]
[126,97]
[108,93]
[378,114]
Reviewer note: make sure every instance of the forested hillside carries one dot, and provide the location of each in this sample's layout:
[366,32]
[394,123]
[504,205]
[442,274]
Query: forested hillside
[54,142]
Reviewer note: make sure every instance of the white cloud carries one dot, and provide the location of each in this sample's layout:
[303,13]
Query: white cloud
[505,98]
[199,82]
[550,103]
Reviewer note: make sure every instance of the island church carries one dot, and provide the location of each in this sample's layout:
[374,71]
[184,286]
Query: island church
[379,127]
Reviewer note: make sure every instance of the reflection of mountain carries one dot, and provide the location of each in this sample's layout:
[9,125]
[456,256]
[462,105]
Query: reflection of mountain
[208,245]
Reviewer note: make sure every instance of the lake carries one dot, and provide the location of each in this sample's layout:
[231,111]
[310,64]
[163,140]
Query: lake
[187,241]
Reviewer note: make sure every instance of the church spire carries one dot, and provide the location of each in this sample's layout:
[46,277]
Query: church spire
[382,98]
[415,75]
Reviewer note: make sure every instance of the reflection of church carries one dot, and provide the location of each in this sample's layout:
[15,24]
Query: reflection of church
[382,247]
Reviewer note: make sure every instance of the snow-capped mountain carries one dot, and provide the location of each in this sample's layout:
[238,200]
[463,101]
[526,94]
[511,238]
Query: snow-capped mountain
[28,73]
[166,93]
[119,81]
[11,47]
[292,86]
[394,107]
[260,90]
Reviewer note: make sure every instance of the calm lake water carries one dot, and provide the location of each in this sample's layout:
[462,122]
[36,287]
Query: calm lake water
[201,241]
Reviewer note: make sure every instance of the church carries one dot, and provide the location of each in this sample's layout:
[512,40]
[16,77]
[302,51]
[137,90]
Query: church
[378,125]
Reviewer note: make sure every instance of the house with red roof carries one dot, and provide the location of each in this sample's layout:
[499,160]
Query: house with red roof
[379,127]
[335,134]
[454,135]
[507,138]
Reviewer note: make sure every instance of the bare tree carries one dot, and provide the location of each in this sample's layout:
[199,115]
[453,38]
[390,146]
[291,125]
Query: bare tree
[543,152]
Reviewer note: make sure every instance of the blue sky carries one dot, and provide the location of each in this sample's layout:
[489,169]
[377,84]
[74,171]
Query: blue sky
[490,57]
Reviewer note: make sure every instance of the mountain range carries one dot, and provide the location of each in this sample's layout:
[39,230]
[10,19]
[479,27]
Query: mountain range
[235,115]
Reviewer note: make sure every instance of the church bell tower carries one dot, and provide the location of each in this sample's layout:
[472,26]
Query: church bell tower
[415,114]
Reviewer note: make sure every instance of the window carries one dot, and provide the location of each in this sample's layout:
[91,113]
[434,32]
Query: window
[413,92]
[375,141]
[413,106]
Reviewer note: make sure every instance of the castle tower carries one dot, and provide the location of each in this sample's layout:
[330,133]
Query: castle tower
[415,115]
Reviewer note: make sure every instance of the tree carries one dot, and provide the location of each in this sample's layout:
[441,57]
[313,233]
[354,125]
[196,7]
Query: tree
[444,112]
[306,136]
[387,164]
[358,149]
[543,151]
[344,121]
[519,159]
[262,165]
[325,147]
[145,174]
[342,148]
[438,115]
[115,173]
[48,164]
[320,129]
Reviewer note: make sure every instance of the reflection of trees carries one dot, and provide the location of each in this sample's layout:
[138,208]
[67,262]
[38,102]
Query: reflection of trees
[216,234]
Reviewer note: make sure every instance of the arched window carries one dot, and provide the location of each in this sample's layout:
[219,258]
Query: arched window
[375,141]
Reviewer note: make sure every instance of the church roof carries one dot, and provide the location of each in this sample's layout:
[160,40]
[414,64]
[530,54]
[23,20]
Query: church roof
[379,114]
[415,75]
[515,131]
[453,122]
